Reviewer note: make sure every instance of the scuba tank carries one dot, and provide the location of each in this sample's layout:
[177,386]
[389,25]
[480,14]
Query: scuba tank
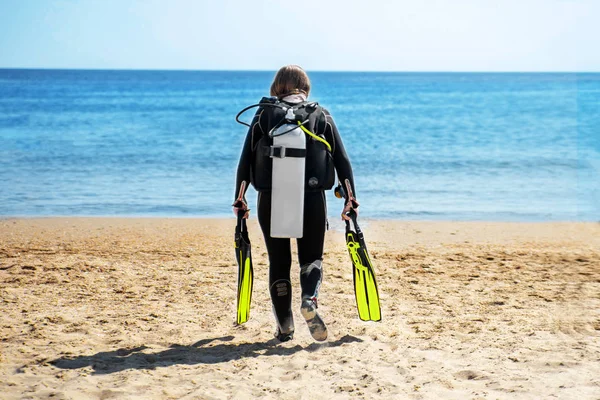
[287,179]
[288,160]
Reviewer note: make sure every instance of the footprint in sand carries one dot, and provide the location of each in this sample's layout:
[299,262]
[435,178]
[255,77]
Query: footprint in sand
[469,375]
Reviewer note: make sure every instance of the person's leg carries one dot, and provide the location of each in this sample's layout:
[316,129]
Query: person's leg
[280,261]
[310,246]
[310,256]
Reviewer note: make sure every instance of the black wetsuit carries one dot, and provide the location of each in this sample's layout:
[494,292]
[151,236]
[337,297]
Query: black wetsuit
[310,246]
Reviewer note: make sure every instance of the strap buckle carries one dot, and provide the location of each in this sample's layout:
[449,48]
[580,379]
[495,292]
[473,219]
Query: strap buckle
[277,151]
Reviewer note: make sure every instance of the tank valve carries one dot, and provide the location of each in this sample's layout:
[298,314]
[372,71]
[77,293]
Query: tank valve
[289,115]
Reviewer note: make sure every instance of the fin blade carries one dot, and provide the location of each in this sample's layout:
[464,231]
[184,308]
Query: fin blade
[373,295]
[245,283]
[365,284]
[362,302]
[372,289]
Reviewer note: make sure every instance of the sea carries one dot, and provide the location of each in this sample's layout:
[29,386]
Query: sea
[423,146]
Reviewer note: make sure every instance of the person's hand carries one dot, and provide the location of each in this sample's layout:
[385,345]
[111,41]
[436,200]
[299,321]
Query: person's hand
[351,204]
[239,206]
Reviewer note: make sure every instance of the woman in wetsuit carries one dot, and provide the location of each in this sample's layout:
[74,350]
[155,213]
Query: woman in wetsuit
[291,86]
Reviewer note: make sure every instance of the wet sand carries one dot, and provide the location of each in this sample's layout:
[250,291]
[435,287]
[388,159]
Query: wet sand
[100,308]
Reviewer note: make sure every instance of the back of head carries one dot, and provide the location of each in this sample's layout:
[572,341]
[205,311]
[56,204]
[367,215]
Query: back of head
[290,79]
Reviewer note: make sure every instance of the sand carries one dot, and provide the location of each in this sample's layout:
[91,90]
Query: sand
[101,308]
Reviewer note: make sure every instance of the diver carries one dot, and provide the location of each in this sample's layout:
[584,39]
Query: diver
[289,156]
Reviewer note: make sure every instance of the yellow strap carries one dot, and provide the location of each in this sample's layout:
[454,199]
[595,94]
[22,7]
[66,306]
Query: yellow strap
[309,133]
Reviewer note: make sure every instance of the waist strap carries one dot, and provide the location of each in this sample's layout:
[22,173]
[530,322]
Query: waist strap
[282,152]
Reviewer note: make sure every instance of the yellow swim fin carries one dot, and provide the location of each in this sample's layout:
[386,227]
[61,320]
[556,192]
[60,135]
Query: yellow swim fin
[245,271]
[365,284]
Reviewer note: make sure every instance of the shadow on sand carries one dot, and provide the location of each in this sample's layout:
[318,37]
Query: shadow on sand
[198,353]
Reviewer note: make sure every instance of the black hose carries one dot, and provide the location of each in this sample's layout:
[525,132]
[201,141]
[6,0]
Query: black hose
[237,117]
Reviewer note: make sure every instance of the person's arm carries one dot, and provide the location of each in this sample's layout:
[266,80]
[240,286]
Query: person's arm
[243,170]
[341,161]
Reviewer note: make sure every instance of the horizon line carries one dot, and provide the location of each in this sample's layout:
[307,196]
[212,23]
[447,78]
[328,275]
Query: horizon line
[308,70]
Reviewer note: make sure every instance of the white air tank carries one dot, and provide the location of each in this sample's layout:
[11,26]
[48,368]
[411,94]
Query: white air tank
[287,196]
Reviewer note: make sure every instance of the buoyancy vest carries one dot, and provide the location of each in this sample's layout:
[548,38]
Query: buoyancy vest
[274,115]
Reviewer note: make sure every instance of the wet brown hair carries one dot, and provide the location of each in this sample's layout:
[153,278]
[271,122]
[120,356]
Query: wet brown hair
[290,79]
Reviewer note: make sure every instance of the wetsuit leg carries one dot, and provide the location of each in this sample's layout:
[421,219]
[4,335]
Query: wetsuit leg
[280,262]
[310,246]
[310,255]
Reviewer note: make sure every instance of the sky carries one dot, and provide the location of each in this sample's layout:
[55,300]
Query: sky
[375,35]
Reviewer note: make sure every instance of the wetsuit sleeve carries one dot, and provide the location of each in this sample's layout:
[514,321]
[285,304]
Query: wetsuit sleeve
[243,171]
[341,161]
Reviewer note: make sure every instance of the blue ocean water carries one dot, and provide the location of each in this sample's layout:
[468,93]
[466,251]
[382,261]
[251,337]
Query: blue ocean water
[451,146]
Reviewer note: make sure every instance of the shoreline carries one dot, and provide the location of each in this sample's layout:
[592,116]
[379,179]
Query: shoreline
[229,217]
[581,231]
[144,307]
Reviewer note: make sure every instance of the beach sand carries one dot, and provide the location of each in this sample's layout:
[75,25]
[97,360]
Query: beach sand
[102,308]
